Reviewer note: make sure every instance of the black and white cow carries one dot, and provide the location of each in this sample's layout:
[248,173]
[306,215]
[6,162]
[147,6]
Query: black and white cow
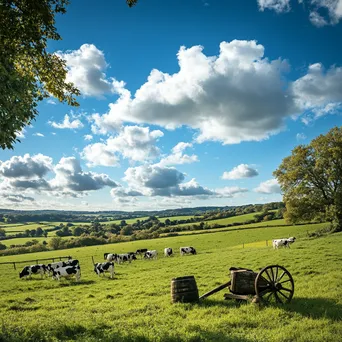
[109,256]
[101,268]
[67,272]
[168,252]
[283,242]
[120,258]
[141,252]
[187,250]
[151,254]
[27,271]
[51,267]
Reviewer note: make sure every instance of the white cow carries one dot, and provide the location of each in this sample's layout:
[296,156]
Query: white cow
[168,251]
[283,242]
[67,272]
[109,256]
[101,268]
[33,269]
[120,258]
[151,255]
[54,265]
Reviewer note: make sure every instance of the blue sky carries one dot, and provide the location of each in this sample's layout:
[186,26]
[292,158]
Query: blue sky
[184,103]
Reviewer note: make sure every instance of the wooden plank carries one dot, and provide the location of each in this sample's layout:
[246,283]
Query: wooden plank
[216,289]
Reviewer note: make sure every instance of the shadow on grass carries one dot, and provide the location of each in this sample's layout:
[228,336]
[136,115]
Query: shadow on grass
[65,283]
[104,333]
[206,303]
[315,308]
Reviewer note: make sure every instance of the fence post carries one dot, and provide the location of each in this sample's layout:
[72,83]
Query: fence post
[14,266]
[92,258]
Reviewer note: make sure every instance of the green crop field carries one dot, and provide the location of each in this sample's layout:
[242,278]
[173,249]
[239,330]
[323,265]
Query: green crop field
[237,219]
[10,229]
[174,218]
[128,221]
[162,219]
[301,229]
[21,241]
[135,306]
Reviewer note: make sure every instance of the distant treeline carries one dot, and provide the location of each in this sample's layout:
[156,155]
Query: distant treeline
[101,233]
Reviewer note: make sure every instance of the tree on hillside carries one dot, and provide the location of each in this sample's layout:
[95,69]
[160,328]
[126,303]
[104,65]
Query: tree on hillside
[310,179]
[28,72]
[56,243]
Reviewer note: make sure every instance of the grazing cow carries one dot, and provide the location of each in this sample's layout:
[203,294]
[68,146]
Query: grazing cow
[33,269]
[283,242]
[151,254]
[120,258]
[72,262]
[51,267]
[187,250]
[168,252]
[141,252]
[110,256]
[67,272]
[101,268]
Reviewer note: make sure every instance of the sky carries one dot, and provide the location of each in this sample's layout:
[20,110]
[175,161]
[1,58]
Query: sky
[183,104]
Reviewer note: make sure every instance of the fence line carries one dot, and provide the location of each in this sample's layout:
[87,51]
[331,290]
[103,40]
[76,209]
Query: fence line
[35,260]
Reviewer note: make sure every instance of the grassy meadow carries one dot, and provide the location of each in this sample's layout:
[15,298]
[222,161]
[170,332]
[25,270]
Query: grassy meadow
[135,306]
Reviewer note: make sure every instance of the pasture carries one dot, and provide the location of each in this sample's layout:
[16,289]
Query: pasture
[135,306]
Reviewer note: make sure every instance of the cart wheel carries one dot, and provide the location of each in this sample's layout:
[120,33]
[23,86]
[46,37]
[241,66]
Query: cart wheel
[274,284]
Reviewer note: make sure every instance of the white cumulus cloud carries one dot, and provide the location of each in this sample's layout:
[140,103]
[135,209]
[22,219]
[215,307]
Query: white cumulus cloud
[88,137]
[300,136]
[87,67]
[67,124]
[230,191]
[270,186]
[236,96]
[321,12]
[70,178]
[177,156]
[240,171]
[26,167]
[132,142]
[276,5]
[99,154]
[320,90]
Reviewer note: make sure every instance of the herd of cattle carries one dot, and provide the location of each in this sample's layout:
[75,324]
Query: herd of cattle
[66,269]
[70,268]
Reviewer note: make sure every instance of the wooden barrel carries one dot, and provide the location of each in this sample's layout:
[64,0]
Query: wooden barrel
[184,290]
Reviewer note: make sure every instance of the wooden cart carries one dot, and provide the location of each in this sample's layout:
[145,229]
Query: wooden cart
[273,284]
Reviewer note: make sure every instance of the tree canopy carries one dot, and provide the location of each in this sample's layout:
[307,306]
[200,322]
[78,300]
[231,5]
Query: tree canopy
[28,72]
[310,179]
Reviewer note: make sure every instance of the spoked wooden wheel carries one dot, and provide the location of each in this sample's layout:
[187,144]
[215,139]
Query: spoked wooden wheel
[274,284]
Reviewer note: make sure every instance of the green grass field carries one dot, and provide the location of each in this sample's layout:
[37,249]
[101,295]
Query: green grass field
[174,218]
[162,219]
[135,306]
[236,219]
[260,225]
